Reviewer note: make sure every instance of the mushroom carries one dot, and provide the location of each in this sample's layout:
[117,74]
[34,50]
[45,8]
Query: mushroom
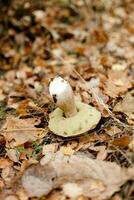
[71,118]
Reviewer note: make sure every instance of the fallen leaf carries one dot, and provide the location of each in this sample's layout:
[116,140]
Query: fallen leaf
[126,105]
[8,174]
[18,131]
[100,36]
[22,194]
[13,155]
[49,148]
[112,130]
[92,178]
[22,108]
[1,184]
[67,150]
[4,163]
[122,142]
[102,154]
[118,82]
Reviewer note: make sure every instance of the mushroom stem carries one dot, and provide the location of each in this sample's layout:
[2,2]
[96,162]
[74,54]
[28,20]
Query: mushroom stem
[63,96]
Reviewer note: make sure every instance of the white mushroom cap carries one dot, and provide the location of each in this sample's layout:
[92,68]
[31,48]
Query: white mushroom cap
[61,90]
[58,86]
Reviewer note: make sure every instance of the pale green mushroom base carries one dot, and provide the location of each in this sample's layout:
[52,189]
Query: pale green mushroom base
[86,119]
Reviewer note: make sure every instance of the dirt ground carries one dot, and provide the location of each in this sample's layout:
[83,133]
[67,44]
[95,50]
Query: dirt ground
[91,45]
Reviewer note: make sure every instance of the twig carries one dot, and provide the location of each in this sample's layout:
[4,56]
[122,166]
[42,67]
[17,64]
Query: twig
[125,156]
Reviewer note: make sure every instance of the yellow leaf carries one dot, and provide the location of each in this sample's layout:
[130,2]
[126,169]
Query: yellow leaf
[66,150]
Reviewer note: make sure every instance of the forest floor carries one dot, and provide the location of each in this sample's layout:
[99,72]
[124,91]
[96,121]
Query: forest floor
[90,44]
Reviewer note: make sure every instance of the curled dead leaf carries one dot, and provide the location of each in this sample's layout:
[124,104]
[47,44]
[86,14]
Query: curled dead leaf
[91,178]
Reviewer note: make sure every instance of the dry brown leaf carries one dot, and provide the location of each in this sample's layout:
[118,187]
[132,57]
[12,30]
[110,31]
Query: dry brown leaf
[118,82]
[126,105]
[1,183]
[18,131]
[13,155]
[112,130]
[22,194]
[102,152]
[8,174]
[22,108]
[122,142]
[49,148]
[4,162]
[92,178]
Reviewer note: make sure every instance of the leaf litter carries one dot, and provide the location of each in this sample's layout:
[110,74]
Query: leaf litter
[89,43]
[19,131]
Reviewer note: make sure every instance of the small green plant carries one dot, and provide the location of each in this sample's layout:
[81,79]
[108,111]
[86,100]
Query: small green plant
[37,148]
